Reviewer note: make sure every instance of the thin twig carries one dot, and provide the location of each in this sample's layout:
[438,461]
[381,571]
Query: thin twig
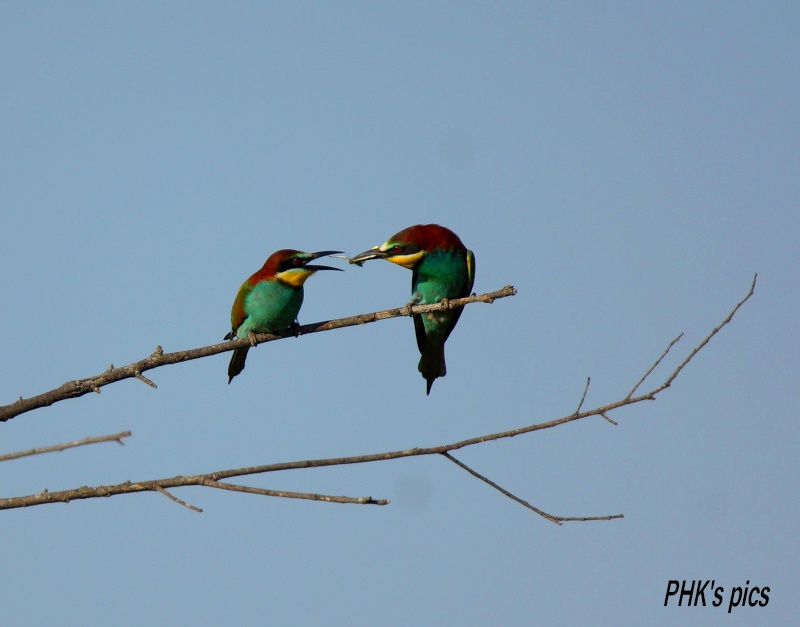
[583,398]
[697,348]
[654,366]
[158,488]
[474,473]
[589,518]
[74,389]
[143,378]
[604,415]
[116,437]
[364,500]
[556,519]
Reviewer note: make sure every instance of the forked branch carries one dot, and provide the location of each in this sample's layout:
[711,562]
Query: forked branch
[213,479]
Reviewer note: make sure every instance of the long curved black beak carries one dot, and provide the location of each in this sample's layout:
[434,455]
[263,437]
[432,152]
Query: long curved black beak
[322,253]
[372,253]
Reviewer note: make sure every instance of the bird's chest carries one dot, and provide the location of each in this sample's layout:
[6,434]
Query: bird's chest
[447,282]
[272,307]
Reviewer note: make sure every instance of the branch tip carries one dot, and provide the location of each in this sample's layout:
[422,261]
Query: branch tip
[654,366]
[707,339]
[363,500]
[116,437]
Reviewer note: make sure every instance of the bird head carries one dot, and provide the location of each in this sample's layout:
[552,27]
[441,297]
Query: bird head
[293,266]
[410,245]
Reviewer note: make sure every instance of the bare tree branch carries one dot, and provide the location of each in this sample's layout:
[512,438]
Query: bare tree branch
[213,479]
[74,389]
[116,437]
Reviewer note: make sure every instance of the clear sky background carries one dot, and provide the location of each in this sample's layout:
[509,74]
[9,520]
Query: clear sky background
[627,166]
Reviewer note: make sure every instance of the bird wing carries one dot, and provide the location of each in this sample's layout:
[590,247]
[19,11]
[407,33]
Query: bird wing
[238,313]
[419,327]
[466,292]
[470,273]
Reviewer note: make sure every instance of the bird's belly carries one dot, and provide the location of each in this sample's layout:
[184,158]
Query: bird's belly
[432,291]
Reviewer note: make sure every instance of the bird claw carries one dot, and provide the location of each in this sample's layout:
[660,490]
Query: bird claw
[407,308]
[294,328]
[252,337]
[445,303]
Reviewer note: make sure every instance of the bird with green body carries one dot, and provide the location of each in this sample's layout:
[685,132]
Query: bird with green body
[442,268]
[269,301]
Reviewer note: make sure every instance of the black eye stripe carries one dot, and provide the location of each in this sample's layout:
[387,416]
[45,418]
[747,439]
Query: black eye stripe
[288,264]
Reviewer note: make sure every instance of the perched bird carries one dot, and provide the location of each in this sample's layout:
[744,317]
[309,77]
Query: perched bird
[442,268]
[269,301]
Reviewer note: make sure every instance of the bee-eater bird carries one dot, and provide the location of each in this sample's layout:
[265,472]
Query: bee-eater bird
[269,301]
[442,267]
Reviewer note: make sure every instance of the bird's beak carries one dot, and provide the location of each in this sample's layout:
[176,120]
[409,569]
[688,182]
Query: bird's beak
[372,253]
[322,253]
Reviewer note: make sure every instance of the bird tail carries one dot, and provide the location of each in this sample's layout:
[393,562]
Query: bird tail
[431,364]
[237,362]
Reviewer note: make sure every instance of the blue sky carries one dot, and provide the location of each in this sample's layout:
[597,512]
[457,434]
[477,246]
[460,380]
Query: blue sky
[628,167]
